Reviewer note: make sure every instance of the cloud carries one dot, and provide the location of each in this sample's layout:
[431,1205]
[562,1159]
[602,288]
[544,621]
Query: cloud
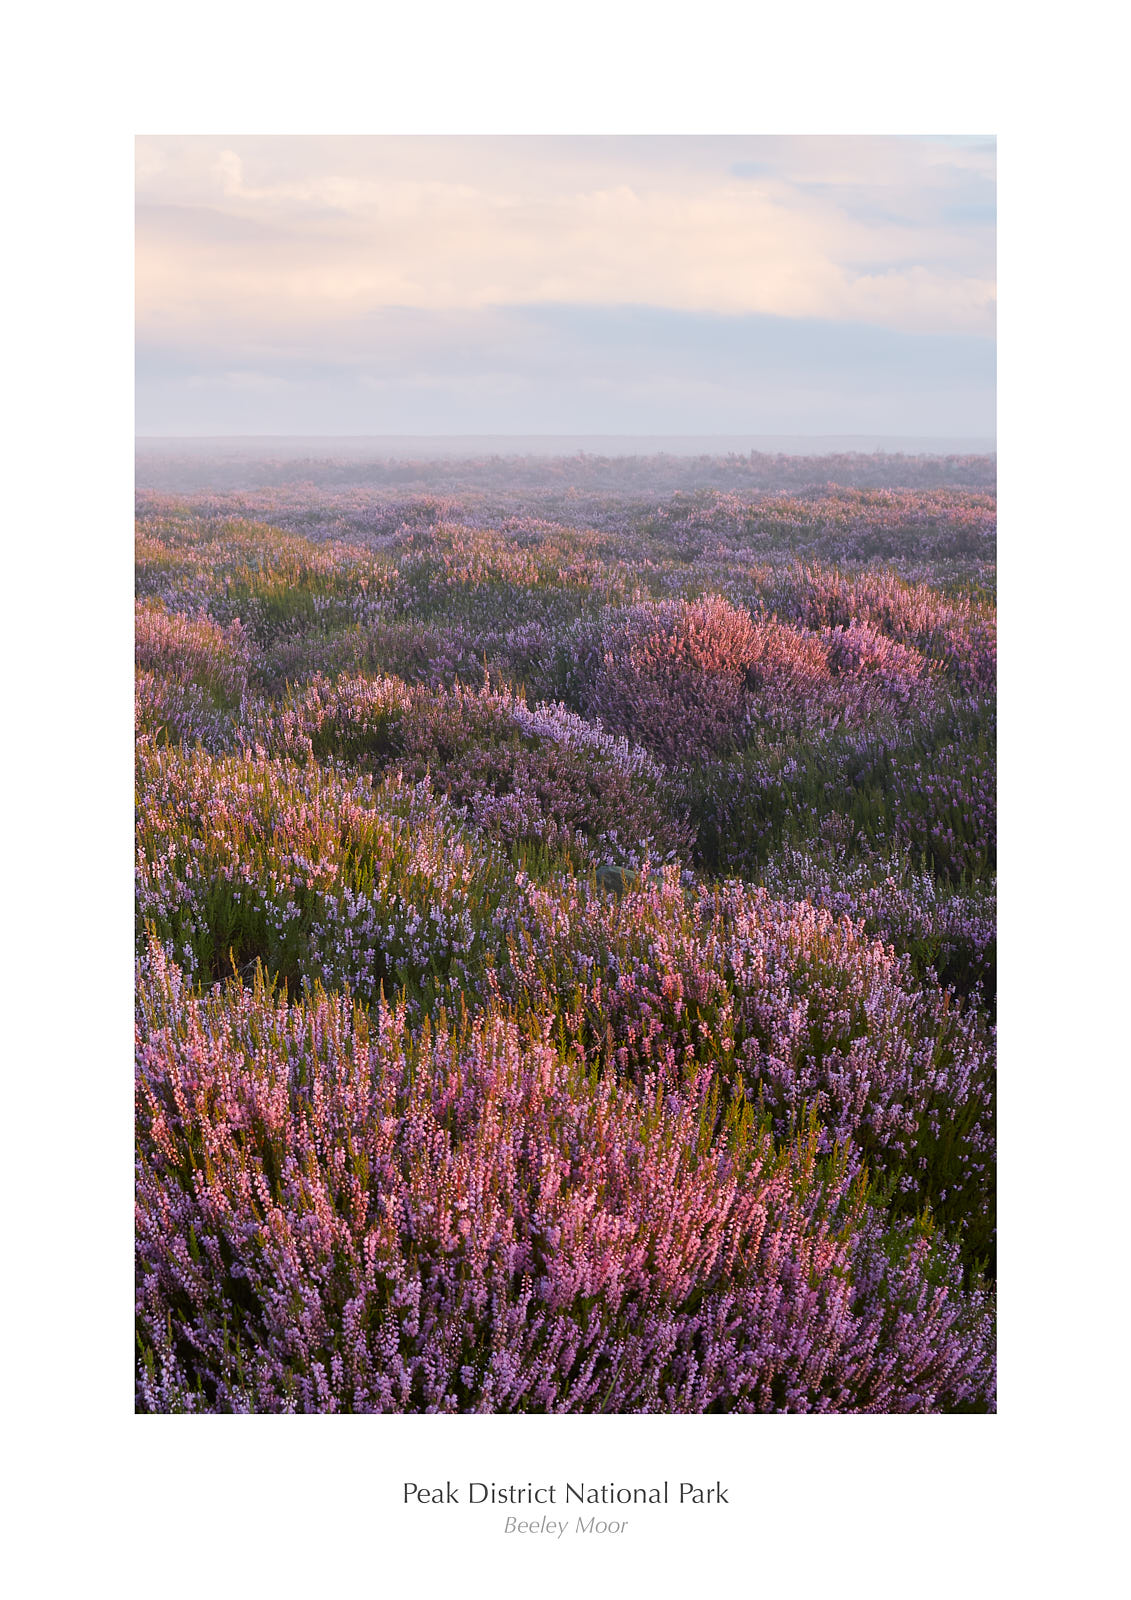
[565,284]
[346,226]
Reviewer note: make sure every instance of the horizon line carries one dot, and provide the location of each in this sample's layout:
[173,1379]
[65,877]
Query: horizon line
[564,435]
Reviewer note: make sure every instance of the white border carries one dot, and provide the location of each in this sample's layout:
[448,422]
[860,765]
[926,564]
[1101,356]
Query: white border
[1021,1503]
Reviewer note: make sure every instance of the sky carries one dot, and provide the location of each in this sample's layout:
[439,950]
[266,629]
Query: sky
[565,285]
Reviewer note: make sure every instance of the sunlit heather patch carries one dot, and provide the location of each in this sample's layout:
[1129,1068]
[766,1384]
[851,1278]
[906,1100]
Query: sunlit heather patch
[672,675]
[536,773]
[800,1009]
[956,632]
[312,871]
[857,649]
[192,651]
[693,680]
[337,1214]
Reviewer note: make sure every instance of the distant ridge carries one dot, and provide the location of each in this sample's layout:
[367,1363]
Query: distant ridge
[423,447]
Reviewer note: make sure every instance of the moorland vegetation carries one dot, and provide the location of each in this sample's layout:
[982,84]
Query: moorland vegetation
[566,937]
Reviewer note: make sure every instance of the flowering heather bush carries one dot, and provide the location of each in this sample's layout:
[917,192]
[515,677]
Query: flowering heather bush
[857,649]
[945,811]
[673,675]
[192,677]
[800,1010]
[535,774]
[173,712]
[277,584]
[694,680]
[168,574]
[925,783]
[336,1213]
[419,652]
[955,631]
[951,931]
[193,650]
[314,873]
[566,937]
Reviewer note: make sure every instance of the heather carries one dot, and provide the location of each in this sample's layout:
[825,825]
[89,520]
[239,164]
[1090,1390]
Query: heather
[566,941]
[544,1237]
[263,471]
[540,773]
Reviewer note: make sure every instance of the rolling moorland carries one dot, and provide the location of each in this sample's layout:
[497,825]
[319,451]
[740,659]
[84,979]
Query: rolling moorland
[566,935]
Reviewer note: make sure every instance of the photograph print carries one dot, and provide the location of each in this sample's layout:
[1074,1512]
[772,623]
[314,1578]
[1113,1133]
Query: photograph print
[565,709]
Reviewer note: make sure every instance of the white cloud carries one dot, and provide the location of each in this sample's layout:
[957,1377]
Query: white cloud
[273,236]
